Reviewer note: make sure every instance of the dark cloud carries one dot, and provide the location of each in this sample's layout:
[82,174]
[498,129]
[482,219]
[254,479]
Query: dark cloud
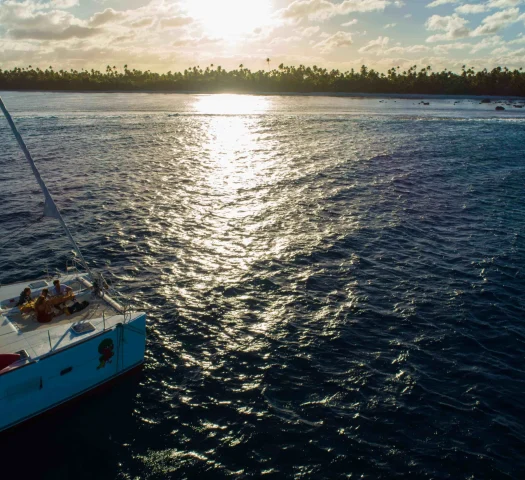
[74,31]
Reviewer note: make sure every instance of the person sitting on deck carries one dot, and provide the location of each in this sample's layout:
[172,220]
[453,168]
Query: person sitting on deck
[67,292]
[24,300]
[43,307]
[60,289]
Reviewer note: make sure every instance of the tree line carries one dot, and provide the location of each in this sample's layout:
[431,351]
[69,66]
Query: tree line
[301,79]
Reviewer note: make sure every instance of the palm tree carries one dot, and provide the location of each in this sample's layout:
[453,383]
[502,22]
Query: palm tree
[268,62]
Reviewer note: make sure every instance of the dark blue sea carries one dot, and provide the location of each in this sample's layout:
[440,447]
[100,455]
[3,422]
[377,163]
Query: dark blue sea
[334,286]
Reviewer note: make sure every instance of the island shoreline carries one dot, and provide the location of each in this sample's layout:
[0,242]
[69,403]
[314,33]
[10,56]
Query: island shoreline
[401,96]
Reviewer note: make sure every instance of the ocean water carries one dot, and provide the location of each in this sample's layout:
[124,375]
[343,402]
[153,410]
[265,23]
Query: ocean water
[334,286]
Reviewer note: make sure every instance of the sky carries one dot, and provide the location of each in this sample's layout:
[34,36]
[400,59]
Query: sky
[171,35]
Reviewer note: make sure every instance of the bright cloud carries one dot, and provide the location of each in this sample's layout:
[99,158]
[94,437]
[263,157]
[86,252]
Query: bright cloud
[300,10]
[503,3]
[453,26]
[337,40]
[488,42]
[308,31]
[446,48]
[63,3]
[405,50]
[143,22]
[375,46]
[107,16]
[176,21]
[470,8]
[174,34]
[437,3]
[497,21]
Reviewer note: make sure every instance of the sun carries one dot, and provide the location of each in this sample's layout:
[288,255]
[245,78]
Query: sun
[229,18]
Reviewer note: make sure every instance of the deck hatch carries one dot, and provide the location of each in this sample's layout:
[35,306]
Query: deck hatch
[81,328]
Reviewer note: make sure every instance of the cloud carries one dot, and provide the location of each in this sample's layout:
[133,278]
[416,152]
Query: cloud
[500,50]
[23,15]
[312,9]
[503,3]
[139,17]
[144,22]
[33,6]
[453,26]
[519,39]
[445,49]
[490,42]
[437,3]
[497,21]
[337,40]
[349,6]
[62,3]
[279,41]
[390,25]
[375,46]
[73,31]
[107,16]
[470,8]
[176,21]
[324,9]
[124,38]
[46,32]
[195,41]
[308,31]
[404,50]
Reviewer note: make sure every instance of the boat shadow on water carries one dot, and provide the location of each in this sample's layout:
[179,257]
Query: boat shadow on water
[97,424]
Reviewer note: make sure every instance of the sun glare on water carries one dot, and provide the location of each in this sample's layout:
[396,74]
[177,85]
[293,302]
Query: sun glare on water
[231,104]
[229,18]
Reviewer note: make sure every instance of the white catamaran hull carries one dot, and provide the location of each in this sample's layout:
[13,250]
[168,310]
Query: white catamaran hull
[74,370]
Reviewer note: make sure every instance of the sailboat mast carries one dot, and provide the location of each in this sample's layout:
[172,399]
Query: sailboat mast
[50,207]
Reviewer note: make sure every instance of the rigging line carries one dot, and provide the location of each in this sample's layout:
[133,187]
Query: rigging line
[12,234]
[50,207]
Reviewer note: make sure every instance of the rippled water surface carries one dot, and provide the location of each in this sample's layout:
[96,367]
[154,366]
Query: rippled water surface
[335,286]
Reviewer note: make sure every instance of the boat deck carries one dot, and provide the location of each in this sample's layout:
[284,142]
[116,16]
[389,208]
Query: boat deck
[21,331]
[27,322]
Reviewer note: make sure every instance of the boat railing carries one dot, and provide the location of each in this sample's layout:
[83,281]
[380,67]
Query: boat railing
[101,286]
[72,265]
[53,336]
[116,298]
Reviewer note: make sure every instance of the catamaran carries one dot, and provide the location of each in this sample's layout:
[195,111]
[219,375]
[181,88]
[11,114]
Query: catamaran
[45,365]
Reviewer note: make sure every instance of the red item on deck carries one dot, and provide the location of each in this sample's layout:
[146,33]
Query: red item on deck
[7,359]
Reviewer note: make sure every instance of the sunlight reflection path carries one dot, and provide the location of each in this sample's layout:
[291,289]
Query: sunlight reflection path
[236,169]
[231,104]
